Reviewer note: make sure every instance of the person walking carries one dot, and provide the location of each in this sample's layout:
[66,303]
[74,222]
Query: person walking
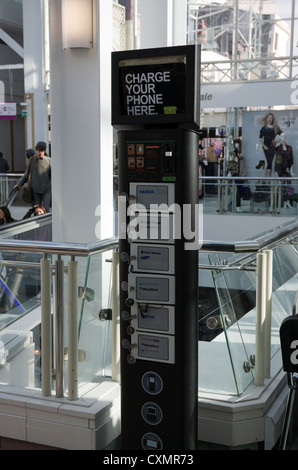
[39,172]
[4,167]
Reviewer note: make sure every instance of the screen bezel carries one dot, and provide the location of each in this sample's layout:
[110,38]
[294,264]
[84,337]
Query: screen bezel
[189,118]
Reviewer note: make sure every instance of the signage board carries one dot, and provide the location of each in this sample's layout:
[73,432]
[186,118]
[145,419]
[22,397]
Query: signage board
[8,110]
[156,86]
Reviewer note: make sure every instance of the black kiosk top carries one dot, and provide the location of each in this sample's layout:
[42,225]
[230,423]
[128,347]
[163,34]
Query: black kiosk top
[156,87]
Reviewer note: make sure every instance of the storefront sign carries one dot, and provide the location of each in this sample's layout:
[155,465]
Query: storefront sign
[246,94]
[8,110]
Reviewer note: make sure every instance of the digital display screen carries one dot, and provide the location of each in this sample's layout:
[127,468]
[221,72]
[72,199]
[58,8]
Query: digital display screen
[154,318]
[153,258]
[150,288]
[152,194]
[153,347]
[151,89]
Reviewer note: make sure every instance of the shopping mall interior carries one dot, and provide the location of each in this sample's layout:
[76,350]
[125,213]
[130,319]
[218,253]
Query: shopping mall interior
[134,342]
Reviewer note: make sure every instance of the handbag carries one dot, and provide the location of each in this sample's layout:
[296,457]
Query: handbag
[27,194]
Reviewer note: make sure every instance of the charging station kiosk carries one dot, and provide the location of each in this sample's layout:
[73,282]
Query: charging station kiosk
[155,110]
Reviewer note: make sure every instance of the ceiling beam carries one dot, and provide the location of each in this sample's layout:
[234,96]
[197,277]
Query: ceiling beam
[11,43]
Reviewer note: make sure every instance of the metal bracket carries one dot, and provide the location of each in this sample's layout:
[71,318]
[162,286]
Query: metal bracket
[86,293]
[105,314]
[81,355]
[247,366]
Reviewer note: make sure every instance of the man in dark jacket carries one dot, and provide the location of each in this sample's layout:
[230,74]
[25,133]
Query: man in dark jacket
[38,172]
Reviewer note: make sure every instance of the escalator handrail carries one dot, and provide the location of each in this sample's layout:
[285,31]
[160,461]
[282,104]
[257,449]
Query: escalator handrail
[7,230]
[11,197]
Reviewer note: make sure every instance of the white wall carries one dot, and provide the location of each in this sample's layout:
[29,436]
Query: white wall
[82,145]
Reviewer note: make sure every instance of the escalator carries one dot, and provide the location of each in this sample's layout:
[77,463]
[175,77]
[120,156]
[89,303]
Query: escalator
[20,296]
[19,272]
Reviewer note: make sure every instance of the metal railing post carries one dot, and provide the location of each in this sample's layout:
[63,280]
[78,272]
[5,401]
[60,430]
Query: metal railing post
[59,312]
[260,317]
[72,329]
[272,197]
[268,314]
[46,327]
[116,319]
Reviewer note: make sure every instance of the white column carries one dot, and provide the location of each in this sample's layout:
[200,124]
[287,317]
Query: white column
[179,22]
[34,77]
[82,135]
[167,18]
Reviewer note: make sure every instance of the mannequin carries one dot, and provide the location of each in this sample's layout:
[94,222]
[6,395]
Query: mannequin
[269,133]
[211,168]
[236,168]
[283,162]
[284,157]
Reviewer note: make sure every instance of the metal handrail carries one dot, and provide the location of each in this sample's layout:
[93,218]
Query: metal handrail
[81,249]
[249,178]
[59,248]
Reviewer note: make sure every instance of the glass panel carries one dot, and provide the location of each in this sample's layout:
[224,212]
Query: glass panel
[295,51]
[235,297]
[13,79]
[217,376]
[227,315]
[20,319]
[269,196]
[94,335]
[20,345]
[19,285]
[6,186]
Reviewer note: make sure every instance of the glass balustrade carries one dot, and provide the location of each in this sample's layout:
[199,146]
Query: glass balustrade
[20,313]
[271,196]
[249,196]
[95,317]
[226,312]
[227,315]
